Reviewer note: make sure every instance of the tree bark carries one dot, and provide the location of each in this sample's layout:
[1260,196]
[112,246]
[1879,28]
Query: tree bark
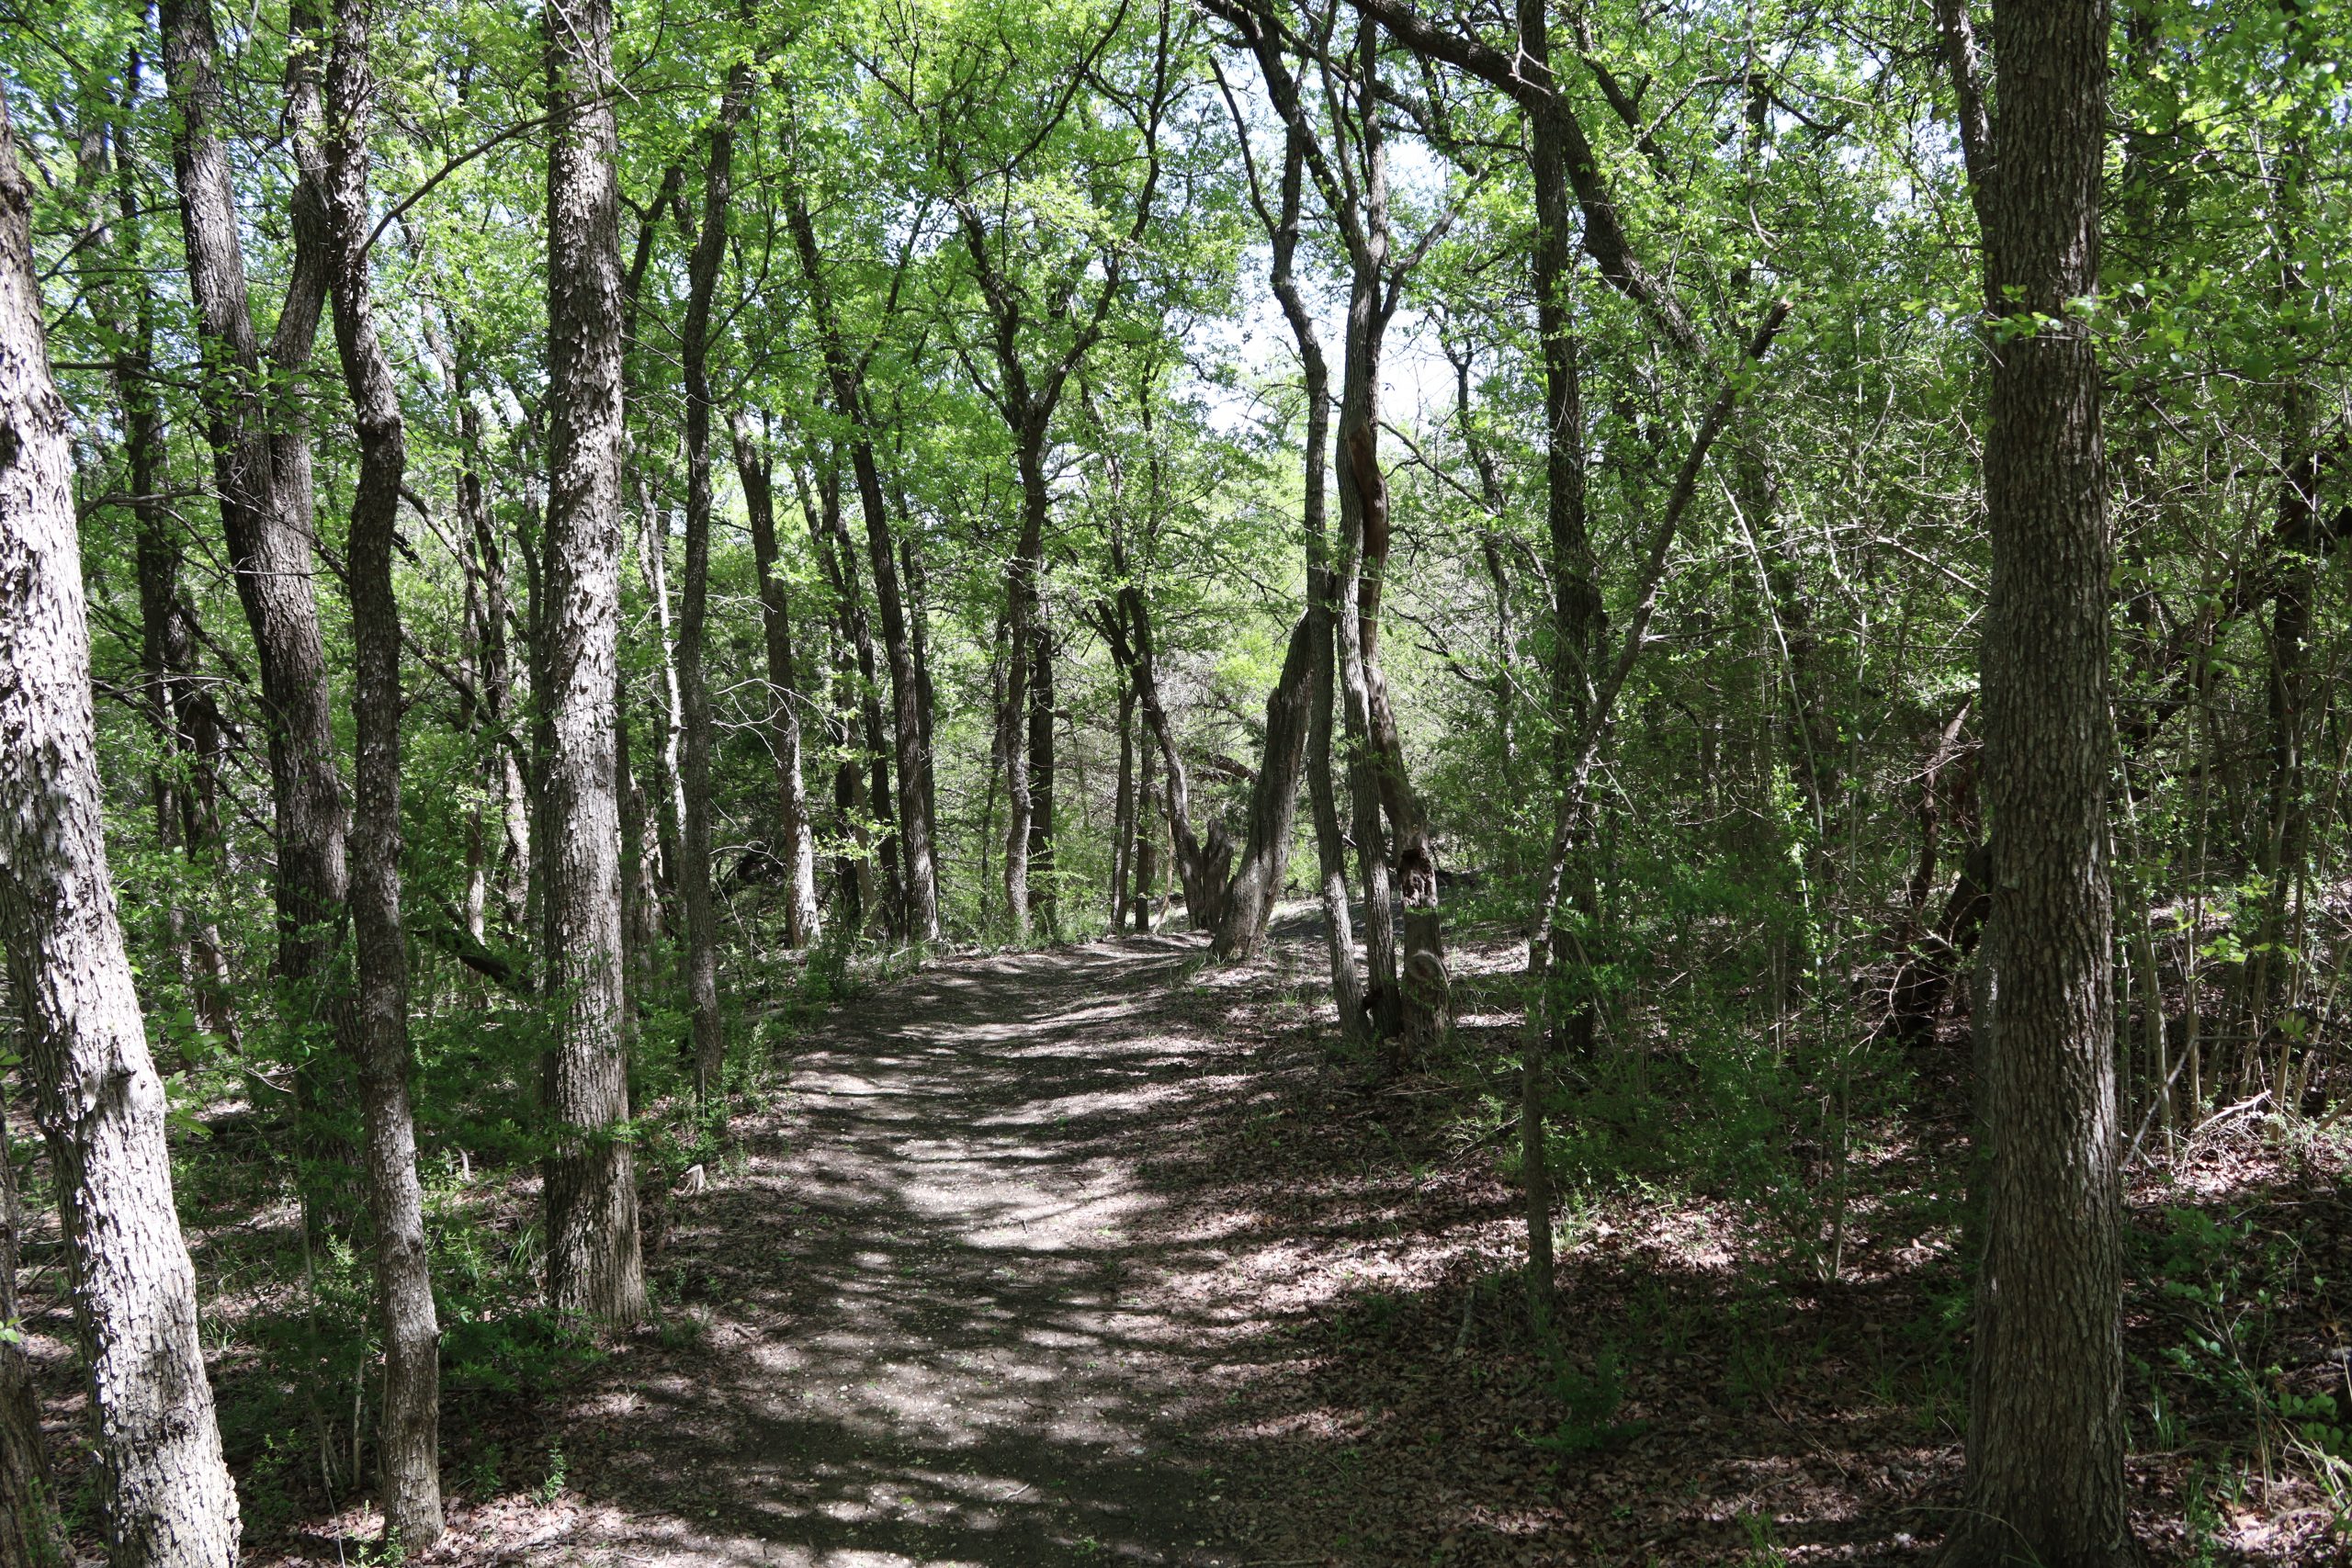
[909,711]
[752,470]
[1045,900]
[1021,594]
[1146,882]
[695,892]
[262,476]
[2046,1429]
[168,1498]
[1122,808]
[595,1269]
[409,1444]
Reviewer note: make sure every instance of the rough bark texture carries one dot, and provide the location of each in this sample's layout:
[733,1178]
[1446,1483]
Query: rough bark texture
[593,1265]
[262,474]
[695,892]
[2046,1429]
[167,1493]
[797,843]
[409,1446]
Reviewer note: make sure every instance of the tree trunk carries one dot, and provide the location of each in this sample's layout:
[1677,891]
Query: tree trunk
[1045,902]
[1264,861]
[695,892]
[926,703]
[867,767]
[2046,1429]
[165,656]
[409,1446]
[909,712]
[1021,593]
[1322,586]
[670,820]
[1122,808]
[262,474]
[594,1265]
[793,831]
[1147,833]
[1359,468]
[168,1498]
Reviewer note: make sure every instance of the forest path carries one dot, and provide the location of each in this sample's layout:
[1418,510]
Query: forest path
[945,1311]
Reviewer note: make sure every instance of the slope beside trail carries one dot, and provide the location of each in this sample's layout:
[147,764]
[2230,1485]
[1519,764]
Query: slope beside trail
[944,1317]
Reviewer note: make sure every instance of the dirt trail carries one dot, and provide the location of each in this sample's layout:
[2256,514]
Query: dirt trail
[943,1307]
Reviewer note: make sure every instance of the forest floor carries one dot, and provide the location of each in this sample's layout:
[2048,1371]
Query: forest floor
[1106,1255]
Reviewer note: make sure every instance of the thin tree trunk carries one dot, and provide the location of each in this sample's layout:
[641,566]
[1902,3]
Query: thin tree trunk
[753,461]
[1282,227]
[262,474]
[926,703]
[2046,1427]
[669,822]
[1146,831]
[695,892]
[167,1495]
[409,1445]
[909,711]
[867,766]
[1045,901]
[595,1269]
[1123,807]
[1021,592]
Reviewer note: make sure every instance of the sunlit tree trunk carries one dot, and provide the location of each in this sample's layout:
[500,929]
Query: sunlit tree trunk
[168,1499]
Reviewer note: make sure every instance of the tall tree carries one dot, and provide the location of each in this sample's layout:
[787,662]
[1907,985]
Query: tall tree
[409,1450]
[910,715]
[595,1266]
[703,268]
[169,1501]
[261,458]
[2046,1429]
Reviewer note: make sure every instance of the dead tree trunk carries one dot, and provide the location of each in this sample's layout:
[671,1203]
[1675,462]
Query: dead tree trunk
[168,1498]
[595,1269]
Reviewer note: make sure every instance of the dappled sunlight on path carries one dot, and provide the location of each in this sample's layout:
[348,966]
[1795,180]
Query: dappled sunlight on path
[938,1326]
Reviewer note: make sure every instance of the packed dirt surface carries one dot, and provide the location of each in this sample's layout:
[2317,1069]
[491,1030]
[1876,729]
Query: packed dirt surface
[944,1317]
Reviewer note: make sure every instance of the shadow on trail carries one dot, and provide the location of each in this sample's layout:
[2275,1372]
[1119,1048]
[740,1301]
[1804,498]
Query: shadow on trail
[938,1319]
